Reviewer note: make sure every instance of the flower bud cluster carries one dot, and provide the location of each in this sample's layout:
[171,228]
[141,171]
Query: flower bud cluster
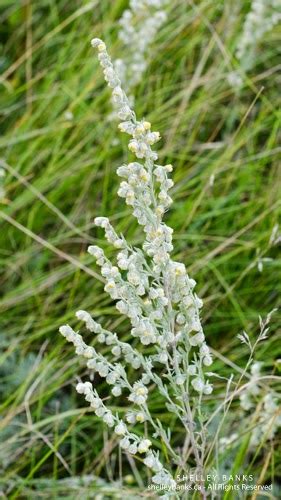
[130,355]
[116,286]
[96,403]
[114,373]
[110,234]
[81,348]
[139,393]
[134,417]
[129,442]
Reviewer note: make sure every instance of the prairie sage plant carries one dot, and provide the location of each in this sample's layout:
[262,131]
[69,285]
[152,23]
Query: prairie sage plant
[263,16]
[169,352]
[139,25]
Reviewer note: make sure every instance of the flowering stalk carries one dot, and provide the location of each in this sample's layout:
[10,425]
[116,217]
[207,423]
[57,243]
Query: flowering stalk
[157,295]
[139,25]
[263,16]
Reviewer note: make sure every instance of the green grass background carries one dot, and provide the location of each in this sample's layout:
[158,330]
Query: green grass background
[61,174]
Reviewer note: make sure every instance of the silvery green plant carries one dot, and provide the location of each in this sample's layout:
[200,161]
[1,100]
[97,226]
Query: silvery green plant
[139,25]
[261,19]
[157,295]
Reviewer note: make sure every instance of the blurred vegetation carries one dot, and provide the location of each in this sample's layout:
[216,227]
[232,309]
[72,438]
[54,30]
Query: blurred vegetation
[60,151]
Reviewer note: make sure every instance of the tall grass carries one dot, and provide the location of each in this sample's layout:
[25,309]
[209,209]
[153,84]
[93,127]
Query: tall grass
[60,155]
